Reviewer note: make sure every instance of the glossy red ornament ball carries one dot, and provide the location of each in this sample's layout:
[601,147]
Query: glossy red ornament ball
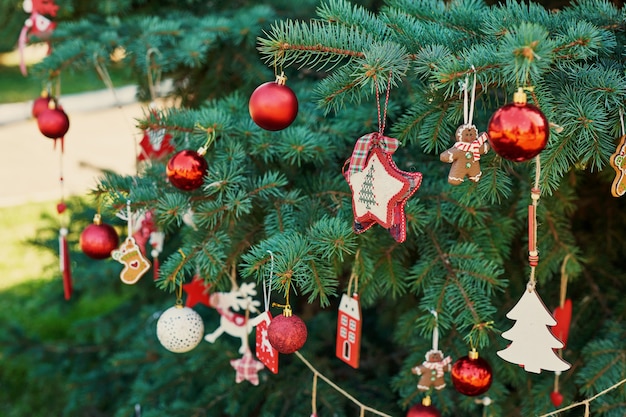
[98,239]
[53,122]
[186,170]
[40,104]
[287,334]
[273,105]
[518,131]
[471,375]
[420,410]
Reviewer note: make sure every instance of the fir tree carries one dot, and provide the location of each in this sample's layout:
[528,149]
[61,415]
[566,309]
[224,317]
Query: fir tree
[282,192]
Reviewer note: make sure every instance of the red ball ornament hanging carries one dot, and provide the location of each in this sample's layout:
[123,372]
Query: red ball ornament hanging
[98,239]
[53,122]
[518,131]
[287,333]
[471,375]
[41,103]
[273,105]
[186,170]
[425,409]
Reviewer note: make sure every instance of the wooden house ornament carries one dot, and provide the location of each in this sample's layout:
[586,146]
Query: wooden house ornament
[348,344]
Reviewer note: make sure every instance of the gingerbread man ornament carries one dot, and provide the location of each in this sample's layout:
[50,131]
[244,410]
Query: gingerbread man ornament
[465,154]
[431,371]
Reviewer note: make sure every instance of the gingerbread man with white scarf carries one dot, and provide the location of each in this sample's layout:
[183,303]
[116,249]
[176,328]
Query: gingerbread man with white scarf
[465,154]
[431,370]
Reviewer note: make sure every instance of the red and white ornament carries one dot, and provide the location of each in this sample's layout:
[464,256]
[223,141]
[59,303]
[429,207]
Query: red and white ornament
[287,333]
[348,341]
[98,239]
[471,375]
[518,131]
[273,106]
[180,329]
[186,169]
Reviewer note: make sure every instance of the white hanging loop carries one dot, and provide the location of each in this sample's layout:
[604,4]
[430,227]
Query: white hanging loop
[468,104]
[435,332]
[621,120]
[267,285]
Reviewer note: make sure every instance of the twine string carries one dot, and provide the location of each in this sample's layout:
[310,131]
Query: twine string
[382,121]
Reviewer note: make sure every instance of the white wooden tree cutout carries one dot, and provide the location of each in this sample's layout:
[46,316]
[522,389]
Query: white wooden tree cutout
[532,342]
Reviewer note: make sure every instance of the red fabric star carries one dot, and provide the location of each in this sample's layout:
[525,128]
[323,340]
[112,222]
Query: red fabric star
[197,292]
[247,368]
[380,192]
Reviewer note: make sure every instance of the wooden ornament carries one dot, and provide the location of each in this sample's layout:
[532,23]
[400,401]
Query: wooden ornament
[265,352]
[532,343]
[348,343]
[618,162]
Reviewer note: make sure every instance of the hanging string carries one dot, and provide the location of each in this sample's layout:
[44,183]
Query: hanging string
[339,389]
[564,279]
[533,254]
[468,106]
[267,287]
[621,120]
[586,402]
[179,289]
[435,332]
[129,219]
[354,277]
[153,80]
[233,277]
[383,120]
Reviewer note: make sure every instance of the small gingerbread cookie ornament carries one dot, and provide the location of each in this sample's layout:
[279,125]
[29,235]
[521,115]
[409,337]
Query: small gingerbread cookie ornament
[129,253]
[618,162]
[431,371]
[465,154]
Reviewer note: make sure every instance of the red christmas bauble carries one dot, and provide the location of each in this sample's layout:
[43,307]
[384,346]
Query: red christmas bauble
[53,122]
[273,105]
[98,240]
[40,104]
[471,375]
[420,410]
[186,170]
[287,333]
[518,131]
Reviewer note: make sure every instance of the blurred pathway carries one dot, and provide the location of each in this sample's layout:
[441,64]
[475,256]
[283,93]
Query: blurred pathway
[102,136]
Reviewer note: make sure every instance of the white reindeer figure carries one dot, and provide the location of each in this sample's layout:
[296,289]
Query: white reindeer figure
[231,323]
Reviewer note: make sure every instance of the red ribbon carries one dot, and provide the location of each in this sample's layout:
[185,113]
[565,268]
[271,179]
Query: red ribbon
[365,144]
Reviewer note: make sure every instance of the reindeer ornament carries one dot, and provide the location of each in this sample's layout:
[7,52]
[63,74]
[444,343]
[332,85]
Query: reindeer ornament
[228,304]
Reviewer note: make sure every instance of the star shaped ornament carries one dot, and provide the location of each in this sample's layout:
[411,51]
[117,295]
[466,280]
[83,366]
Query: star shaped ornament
[197,292]
[380,192]
[247,368]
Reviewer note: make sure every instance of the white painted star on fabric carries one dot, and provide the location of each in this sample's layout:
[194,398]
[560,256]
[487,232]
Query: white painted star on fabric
[247,368]
[375,191]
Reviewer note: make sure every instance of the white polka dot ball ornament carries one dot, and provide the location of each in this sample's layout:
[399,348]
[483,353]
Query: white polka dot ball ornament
[180,329]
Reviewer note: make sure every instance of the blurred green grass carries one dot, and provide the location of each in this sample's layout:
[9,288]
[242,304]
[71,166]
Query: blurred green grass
[16,88]
[22,261]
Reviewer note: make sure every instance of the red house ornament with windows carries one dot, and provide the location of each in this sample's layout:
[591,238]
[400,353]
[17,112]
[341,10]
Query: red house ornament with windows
[348,344]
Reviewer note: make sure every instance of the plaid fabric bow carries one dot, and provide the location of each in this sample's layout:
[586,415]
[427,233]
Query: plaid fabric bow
[474,146]
[363,146]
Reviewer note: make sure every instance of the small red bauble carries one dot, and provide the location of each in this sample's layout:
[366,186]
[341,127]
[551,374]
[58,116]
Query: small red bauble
[518,131]
[556,398]
[53,122]
[186,170]
[41,103]
[273,105]
[287,333]
[421,410]
[98,239]
[471,375]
